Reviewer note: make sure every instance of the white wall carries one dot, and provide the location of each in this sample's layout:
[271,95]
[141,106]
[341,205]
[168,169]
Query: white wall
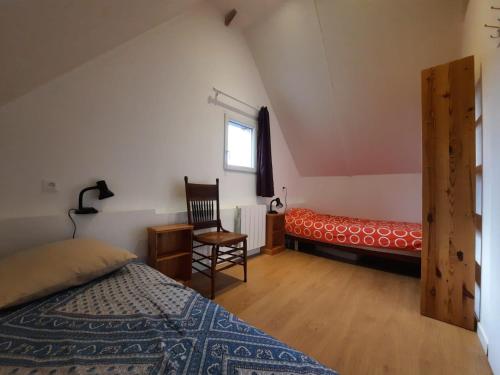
[385,197]
[344,79]
[140,117]
[478,42]
[124,229]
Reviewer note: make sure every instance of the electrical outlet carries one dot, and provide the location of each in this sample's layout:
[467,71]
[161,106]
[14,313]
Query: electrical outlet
[50,186]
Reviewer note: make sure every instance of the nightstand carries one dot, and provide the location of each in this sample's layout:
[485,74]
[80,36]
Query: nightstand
[171,250]
[275,234]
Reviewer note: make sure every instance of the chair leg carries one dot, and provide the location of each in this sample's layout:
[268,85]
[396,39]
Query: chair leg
[245,260]
[213,270]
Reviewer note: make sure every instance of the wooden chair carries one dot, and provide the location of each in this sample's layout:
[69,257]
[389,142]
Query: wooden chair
[226,247]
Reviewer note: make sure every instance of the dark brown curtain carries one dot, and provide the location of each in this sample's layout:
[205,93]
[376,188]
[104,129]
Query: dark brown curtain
[265,183]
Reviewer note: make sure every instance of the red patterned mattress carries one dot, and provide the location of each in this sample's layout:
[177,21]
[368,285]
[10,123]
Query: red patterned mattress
[343,230]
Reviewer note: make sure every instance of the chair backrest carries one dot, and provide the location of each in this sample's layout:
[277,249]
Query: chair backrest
[203,205]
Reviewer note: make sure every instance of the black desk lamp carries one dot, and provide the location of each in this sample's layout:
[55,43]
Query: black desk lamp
[104,193]
[278,205]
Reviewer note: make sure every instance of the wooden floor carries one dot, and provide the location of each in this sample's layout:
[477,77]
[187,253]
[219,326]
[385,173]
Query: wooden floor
[353,319]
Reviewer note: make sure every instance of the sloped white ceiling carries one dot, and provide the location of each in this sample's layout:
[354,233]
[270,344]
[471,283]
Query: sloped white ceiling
[344,78]
[40,40]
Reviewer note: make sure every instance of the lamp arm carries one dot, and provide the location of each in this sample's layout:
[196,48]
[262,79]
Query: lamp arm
[80,196]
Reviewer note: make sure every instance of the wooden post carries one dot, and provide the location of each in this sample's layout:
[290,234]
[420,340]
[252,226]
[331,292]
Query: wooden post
[448,251]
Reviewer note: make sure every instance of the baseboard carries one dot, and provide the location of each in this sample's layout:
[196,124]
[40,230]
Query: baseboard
[253,252]
[482,337]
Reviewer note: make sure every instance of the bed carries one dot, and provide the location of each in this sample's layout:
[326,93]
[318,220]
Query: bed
[389,238]
[138,321]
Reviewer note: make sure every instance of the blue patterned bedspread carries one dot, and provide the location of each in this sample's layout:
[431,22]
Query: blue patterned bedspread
[137,321]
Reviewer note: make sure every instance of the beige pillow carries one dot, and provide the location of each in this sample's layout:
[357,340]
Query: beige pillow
[30,274]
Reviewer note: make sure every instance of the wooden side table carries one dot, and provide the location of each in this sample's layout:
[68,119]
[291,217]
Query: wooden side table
[275,234]
[171,250]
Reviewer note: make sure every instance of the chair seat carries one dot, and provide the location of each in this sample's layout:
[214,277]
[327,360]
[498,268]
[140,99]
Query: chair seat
[220,238]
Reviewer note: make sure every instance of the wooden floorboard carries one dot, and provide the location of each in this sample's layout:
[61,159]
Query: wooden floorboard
[353,319]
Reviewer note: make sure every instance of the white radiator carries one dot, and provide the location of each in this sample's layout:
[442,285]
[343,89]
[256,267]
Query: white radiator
[251,220]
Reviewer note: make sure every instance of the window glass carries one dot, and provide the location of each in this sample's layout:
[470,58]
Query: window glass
[240,145]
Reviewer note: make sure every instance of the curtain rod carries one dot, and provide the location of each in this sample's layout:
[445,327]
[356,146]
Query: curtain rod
[217,92]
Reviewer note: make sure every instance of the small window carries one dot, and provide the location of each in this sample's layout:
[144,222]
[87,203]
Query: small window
[240,144]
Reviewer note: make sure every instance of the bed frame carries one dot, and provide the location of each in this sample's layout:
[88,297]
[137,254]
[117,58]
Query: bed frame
[397,255]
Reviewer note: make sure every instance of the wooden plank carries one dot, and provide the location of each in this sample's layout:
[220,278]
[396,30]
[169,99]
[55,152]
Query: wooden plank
[462,196]
[478,221]
[478,274]
[173,254]
[170,228]
[448,252]
[434,138]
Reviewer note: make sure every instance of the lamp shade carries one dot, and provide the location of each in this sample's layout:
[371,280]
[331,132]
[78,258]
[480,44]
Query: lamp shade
[278,203]
[104,192]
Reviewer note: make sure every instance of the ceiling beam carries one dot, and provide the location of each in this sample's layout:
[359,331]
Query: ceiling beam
[230,16]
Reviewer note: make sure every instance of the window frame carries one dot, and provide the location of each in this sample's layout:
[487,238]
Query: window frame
[249,123]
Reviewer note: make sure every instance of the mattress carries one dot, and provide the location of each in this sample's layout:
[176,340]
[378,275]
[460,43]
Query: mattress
[138,321]
[348,231]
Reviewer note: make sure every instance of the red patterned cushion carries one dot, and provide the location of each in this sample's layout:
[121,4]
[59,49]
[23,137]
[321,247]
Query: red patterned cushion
[343,230]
